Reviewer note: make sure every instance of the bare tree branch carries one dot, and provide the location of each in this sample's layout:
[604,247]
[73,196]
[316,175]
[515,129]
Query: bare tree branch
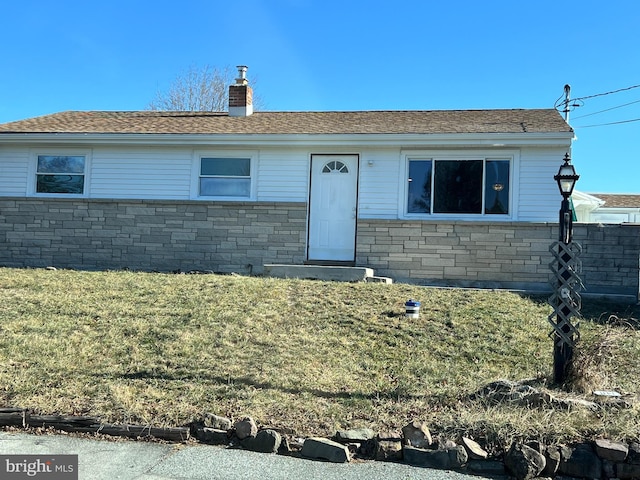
[199,89]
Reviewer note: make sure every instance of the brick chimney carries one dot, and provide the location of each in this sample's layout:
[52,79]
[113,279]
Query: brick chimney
[240,95]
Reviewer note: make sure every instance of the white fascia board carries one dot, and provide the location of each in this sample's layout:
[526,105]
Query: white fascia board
[403,140]
[581,198]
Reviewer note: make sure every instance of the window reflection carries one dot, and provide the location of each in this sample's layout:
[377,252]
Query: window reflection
[419,200]
[458,186]
[60,174]
[225,177]
[497,187]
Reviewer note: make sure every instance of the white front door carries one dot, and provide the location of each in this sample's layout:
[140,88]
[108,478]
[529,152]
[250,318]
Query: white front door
[332,207]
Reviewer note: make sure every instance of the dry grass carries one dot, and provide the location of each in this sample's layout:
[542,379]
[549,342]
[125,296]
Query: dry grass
[305,356]
[599,359]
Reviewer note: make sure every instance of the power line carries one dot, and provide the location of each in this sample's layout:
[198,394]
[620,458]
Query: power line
[607,93]
[608,109]
[611,123]
[568,104]
[560,102]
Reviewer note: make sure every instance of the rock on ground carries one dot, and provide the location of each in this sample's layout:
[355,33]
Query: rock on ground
[417,434]
[325,449]
[579,461]
[246,428]
[266,441]
[524,462]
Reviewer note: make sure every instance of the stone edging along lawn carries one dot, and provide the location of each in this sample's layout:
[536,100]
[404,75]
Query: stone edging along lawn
[415,446]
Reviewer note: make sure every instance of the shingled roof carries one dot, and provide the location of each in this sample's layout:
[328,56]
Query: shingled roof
[618,200]
[363,122]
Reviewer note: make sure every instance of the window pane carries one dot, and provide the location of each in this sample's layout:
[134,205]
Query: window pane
[62,164]
[60,184]
[227,167]
[458,186]
[335,167]
[225,187]
[419,199]
[496,190]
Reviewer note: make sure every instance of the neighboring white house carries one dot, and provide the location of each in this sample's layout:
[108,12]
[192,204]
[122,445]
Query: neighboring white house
[607,207]
[458,196]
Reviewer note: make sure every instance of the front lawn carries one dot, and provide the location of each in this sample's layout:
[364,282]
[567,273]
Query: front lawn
[308,357]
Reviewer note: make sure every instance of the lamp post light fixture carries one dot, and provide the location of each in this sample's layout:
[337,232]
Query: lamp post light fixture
[565,300]
[566,178]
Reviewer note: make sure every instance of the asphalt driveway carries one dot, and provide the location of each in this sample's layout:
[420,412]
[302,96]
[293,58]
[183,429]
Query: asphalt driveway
[129,460]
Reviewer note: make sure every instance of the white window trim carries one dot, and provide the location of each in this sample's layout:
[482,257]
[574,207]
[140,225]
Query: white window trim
[67,152]
[195,174]
[512,155]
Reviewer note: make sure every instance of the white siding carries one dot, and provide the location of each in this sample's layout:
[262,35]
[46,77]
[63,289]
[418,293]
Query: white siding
[141,173]
[283,176]
[14,172]
[379,183]
[538,196]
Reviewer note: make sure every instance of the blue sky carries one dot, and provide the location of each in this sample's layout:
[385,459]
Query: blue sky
[343,55]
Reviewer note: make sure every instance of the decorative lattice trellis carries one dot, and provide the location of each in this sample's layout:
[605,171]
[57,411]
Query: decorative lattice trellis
[565,300]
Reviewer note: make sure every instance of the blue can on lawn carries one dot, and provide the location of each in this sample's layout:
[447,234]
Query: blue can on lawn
[412,308]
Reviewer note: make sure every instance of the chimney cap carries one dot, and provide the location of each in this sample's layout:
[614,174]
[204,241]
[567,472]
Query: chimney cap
[242,75]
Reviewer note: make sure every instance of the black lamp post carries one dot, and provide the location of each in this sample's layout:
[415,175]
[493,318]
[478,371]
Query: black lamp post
[565,300]
[566,179]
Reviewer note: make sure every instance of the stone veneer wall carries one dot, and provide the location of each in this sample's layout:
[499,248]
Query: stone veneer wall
[150,235]
[242,236]
[498,255]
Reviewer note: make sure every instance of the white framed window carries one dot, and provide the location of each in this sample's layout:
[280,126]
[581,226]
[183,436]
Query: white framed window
[458,186]
[60,174]
[225,175]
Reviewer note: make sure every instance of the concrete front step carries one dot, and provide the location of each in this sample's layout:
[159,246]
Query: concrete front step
[320,272]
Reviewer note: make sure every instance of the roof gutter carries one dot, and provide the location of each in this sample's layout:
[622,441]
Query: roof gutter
[403,140]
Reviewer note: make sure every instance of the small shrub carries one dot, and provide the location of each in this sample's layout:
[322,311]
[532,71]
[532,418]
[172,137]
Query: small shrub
[594,357]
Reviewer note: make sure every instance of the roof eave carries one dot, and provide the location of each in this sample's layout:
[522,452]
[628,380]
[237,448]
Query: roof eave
[362,139]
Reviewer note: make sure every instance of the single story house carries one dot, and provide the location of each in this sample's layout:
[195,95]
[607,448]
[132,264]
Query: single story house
[460,197]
